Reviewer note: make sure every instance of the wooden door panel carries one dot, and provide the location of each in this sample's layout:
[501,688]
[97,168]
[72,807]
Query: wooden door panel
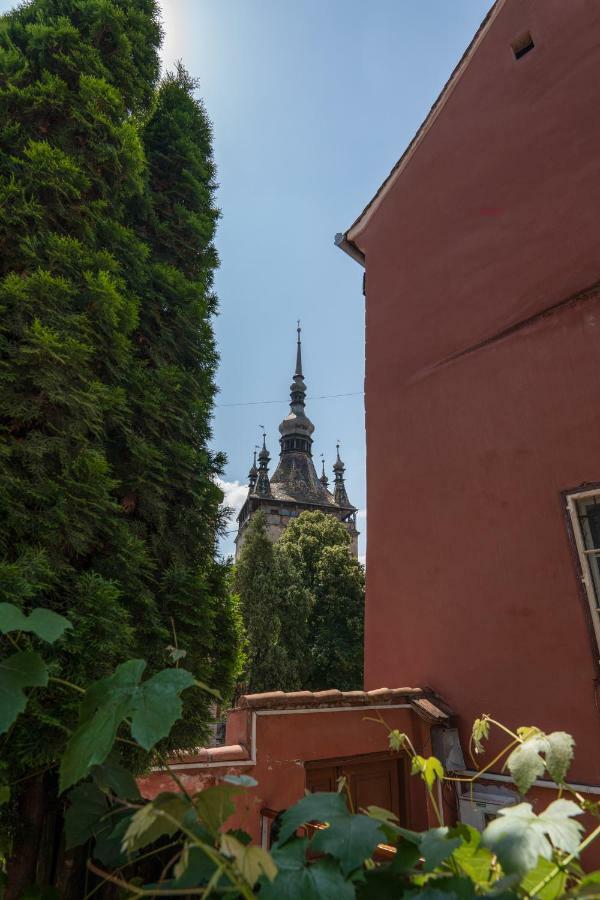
[324,779]
[371,782]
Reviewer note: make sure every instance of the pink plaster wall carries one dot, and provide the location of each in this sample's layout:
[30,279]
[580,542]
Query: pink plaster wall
[471,588]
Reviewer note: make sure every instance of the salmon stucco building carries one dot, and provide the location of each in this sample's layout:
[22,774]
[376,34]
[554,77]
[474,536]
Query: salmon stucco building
[481,253]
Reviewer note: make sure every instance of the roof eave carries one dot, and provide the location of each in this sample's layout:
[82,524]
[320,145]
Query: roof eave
[344,243]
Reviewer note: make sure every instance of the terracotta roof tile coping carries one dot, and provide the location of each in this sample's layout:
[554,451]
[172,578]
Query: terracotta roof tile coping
[282,700]
[429,711]
[229,753]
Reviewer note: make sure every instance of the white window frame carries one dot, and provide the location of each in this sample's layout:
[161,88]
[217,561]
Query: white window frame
[478,803]
[584,554]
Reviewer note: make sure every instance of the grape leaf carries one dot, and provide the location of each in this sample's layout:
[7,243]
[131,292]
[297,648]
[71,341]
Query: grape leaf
[154,820]
[90,815]
[157,705]
[525,763]
[215,805]
[112,776]
[152,706]
[350,840]
[519,838]
[435,846]
[553,889]
[322,880]
[106,703]
[193,868]
[481,732]
[109,839]
[87,806]
[429,769]
[396,740]
[42,622]
[559,755]
[557,822]
[250,861]
[381,814]
[318,807]
[474,860]
[21,670]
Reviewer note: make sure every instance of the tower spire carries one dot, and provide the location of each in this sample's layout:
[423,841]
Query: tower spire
[323,479]
[252,474]
[339,492]
[299,351]
[298,387]
[263,485]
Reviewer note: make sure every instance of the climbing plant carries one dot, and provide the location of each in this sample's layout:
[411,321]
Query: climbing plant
[178,844]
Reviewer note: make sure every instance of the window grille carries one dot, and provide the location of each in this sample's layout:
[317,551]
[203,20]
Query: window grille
[584,513]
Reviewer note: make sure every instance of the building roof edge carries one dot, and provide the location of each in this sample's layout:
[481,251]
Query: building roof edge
[346,241]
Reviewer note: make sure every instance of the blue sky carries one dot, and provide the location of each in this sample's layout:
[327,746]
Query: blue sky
[312,102]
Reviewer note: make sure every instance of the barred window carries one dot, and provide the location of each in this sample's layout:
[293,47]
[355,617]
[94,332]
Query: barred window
[584,512]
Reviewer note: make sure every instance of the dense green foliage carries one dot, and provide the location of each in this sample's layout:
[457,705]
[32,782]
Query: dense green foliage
[258,581]
[164,464]
[179,843]
[303,606]
[317,548]
[108,505]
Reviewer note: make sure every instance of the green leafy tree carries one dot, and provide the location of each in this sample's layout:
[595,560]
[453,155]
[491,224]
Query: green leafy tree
[316,548]
[108,503]
[336,625]
[303,605]
[258,581]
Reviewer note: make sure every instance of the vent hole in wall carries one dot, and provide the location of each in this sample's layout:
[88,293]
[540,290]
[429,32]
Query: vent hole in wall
[522,45]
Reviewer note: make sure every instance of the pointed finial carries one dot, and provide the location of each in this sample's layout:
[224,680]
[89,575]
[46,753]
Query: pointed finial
[339,493]
[338,465]
[299,351]
[263,487]
[264,453]
[253,473]
[323,479]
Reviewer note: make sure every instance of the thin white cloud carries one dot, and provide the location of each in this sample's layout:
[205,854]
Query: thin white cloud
[235,495]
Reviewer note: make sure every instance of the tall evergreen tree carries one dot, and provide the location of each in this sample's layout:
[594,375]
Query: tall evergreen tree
[108,506]
[258,581]
[165,465]
[71,76]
